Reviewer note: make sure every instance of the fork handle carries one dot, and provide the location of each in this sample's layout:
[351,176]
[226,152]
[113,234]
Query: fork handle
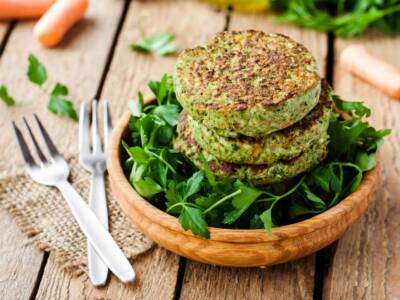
[97,235]
[98,271]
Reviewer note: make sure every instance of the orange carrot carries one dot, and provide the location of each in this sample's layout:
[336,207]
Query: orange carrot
[360,62]
[55,23]
[16,9]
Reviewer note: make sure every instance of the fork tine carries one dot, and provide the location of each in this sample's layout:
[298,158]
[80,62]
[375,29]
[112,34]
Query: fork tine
[96,143]
[23,147]
[84,128]
[49,143]
[35,143]
[107,123]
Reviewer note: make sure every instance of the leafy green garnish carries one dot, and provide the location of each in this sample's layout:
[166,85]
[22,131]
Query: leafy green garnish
[36,71]
[160,43]
[5,97]
[345,18]
[57,104]
[170,181]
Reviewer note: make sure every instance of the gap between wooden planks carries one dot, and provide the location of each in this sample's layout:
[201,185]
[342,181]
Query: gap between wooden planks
[294,280]
[192,23]
[366,262]
[78,62]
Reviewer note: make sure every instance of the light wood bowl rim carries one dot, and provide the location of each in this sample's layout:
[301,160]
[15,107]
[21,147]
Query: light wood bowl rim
[242,236]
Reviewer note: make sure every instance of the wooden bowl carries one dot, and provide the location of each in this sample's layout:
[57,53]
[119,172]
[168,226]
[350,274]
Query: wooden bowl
[234,247]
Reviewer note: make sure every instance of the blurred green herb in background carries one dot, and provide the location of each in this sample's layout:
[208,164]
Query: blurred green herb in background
[160,43]
[5,96]
[345,18]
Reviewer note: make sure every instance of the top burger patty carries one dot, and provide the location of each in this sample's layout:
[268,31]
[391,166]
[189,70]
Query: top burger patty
[247,82]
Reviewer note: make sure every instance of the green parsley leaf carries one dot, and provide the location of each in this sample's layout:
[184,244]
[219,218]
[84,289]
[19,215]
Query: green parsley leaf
[59,105]
[160,43]
[365,161]
[193,184]
[36,71]
[168,112]
[352,108]
[147,187]
[192,218]
[5,97]
[266,218]
[241,203]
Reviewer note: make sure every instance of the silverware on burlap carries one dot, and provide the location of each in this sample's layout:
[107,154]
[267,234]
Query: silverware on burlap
[45,219]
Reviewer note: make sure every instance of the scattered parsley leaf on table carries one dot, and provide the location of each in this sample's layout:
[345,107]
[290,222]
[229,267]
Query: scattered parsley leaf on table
[5,97]
[160,43]
[36,71]
[57,104]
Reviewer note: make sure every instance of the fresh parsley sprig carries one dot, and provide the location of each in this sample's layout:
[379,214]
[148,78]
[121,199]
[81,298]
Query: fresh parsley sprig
[170,181]
[58,104]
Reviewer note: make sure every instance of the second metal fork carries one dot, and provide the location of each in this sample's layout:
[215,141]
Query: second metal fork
[93,159]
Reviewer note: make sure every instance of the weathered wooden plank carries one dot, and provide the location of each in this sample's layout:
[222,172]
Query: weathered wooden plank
[156,279]
[289,281]
[366,264]
[129,72]
[292,280]
[78,63]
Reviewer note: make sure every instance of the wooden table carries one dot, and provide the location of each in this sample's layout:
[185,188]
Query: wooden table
[95,61]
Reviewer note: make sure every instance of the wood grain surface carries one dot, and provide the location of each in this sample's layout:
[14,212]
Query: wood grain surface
[292,280]
[129,72]
[366,263]
[78,62]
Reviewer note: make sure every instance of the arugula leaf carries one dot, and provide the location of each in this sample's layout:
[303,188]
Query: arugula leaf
[59,105]
[160,43]
[36,71]
[5,97]
[192,218]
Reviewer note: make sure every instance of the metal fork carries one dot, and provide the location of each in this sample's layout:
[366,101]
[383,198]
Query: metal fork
[54,172]
[93,160]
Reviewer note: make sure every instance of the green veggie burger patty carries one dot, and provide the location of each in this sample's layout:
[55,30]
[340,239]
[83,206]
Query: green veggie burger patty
[256,174]
[247,82]
[280,145]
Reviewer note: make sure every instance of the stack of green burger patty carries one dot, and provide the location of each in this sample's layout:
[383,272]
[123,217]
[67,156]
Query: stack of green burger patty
[254,106]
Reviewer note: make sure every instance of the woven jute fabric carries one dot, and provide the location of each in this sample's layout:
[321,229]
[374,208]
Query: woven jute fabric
[44,218]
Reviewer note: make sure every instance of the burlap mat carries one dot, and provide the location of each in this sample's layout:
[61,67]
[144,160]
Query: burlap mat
[45,219]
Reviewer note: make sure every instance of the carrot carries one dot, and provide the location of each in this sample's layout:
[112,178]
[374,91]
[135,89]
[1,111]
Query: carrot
[17,9]
[357,60]
[55,23]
